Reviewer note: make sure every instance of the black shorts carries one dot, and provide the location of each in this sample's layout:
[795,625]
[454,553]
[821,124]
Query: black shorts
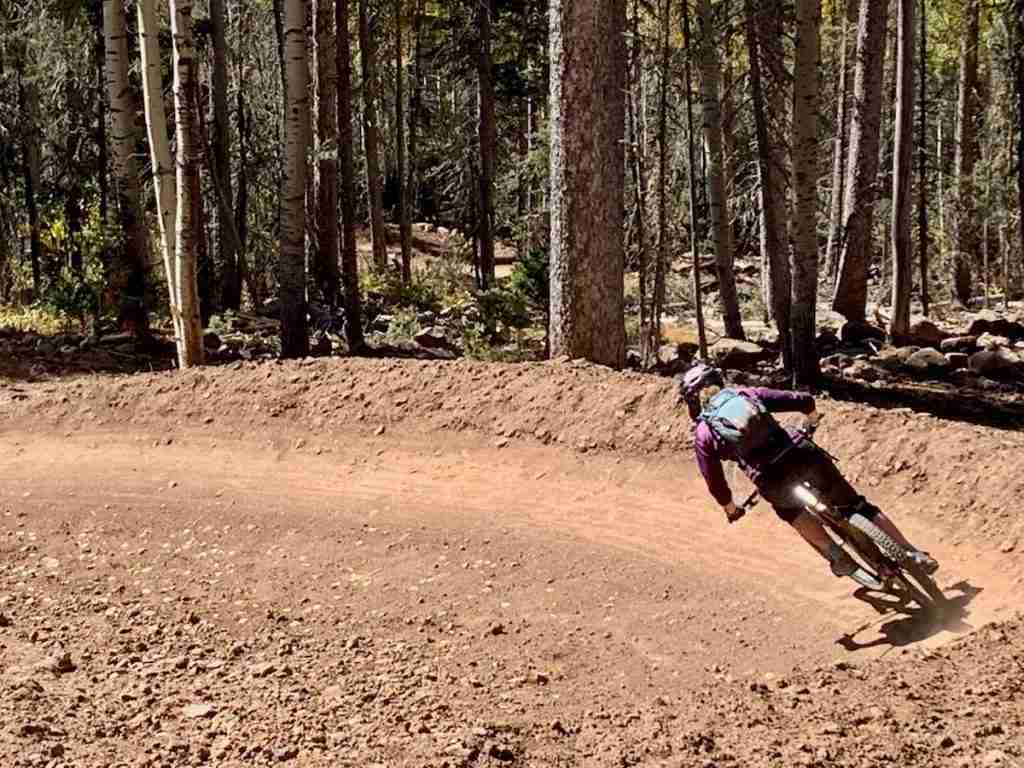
[805,462]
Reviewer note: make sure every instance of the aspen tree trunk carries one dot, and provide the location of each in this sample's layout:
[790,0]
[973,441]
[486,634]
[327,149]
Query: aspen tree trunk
[899,324]
[349,261]
[718,207]
[368,57]
[160,154]
[292,267]
[190,348]
[128,265]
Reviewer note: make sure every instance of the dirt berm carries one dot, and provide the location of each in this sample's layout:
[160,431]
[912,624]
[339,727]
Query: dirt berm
[383,563]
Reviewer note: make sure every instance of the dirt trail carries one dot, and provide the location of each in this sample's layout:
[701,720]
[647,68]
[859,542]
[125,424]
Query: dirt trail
[355,595]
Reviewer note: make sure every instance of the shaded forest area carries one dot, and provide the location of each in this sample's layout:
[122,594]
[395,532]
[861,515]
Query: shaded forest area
[509,179]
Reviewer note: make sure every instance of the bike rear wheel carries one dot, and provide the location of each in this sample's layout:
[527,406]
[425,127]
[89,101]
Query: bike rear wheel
[919,585]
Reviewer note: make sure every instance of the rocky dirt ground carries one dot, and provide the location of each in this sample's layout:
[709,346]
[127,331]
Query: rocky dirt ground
[400,563]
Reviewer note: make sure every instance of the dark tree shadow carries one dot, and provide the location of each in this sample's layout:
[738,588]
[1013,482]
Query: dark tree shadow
[913,623]
[944,401]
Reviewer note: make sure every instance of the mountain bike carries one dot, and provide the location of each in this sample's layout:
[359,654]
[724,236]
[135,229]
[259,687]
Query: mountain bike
[883,564]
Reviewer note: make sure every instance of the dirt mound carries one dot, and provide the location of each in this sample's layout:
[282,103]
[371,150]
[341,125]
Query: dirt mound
[966,475]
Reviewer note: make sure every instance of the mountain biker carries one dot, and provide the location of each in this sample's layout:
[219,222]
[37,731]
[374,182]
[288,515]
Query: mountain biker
[736,425]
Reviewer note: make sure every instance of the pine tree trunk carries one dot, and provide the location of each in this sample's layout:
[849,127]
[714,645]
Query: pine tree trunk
[102,161]
[327,141]
[404,226]
[771,189]
[367,55]
[349,261]
[922,167]
[718,204]
[292,266]
[160,153]
[488,141]
[30,164]
[968,114]
[190,347]
[841,142]
[661,254]
[1018,74]
[698,294]
[806,77]
[636,164]
[851,291]
[902,248]
[128,267]
[231,284]
[415,106]
[587,122]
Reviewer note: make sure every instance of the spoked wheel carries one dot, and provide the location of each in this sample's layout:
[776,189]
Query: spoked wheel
[918,585]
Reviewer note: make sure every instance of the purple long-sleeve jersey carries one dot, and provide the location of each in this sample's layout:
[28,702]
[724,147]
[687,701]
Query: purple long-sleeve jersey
[711,452]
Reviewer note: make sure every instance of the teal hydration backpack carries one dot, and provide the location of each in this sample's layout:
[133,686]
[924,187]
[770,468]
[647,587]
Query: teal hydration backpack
[744,424]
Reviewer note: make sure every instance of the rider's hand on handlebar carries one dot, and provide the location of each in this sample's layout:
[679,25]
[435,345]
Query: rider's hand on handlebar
[813,418]
[732,513]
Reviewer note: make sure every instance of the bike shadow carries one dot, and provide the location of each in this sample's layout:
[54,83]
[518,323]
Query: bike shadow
[914,624]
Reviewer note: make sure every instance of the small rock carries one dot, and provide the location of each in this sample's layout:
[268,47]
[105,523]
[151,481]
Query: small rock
[5,622]
[1006,548]
[211,341]
[431,338]
[927,360]
[60,664]
[501,442]
[196,711]
[894,358]
[738,355]
[926,333]
[957,360]
[502,753]
[991,341]
[995,362]
[947,741]
[284,754]
[995,757]
[838,360]
[959,344]
[855,332]
[496,629]
[262,669]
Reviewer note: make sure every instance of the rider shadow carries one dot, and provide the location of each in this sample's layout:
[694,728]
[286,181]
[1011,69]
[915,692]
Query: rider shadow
[916,624]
